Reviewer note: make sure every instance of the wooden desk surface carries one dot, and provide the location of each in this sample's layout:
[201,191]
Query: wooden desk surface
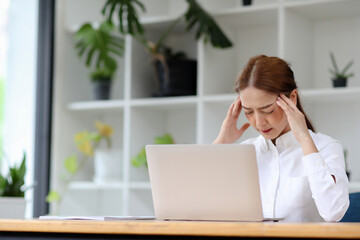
[186,228]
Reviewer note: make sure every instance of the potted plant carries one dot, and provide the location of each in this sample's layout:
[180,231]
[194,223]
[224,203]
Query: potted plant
[140,158]
[194,16]
[12,201]
[177,76]
[247,2]
[106,160]
[339,78]
[99,47]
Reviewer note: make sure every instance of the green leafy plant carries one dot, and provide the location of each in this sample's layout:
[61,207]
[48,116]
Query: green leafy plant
[194,16]
[12,184]
[140,159]
[336,73]
[99,48]
[86,142]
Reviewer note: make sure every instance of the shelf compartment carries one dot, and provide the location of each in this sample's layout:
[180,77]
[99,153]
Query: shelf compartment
[220,67]
[324,27]
[325,9]
[143,79]
[148,123]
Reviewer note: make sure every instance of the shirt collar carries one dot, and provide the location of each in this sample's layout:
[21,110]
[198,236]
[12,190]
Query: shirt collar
[287,140]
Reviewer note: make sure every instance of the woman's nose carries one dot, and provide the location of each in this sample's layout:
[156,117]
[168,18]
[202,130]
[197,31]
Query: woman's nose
[260,120]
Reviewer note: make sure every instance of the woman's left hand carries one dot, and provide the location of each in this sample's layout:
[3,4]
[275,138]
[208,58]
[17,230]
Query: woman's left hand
[297,124]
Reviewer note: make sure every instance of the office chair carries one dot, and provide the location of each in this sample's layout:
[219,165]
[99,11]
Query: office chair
[353,213]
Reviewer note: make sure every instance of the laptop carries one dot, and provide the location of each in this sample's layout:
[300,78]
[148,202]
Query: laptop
[215,182]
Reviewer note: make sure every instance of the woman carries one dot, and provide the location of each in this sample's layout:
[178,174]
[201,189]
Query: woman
[302,173]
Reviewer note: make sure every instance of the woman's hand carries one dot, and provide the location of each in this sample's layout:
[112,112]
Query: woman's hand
[229,133]
[297,124]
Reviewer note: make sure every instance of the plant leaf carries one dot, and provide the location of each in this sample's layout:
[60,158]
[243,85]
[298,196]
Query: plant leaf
[53,196]
[208,28]
[165,139]
[126,10]
[140,159]
[71,164]
[347,67]
[100,44]
[2,185]
[332,57]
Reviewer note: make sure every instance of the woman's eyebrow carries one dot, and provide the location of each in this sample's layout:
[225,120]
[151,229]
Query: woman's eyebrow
[263,107]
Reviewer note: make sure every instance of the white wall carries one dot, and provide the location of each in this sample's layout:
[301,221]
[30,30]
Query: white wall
[20,86]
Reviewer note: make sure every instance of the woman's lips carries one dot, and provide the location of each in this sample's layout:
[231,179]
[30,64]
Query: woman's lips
[266,131]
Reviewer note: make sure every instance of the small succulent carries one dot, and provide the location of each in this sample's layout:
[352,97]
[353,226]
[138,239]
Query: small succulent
[12,184]
[336,73]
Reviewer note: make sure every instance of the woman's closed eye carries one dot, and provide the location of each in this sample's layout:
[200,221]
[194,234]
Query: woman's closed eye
[269,112]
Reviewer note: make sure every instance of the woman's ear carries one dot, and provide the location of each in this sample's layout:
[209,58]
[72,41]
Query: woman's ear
[293,96]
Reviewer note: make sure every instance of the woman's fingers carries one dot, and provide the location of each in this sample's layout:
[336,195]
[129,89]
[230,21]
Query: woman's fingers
[243,128]
[237,108]
[229,113]
[283,104]
[288,101]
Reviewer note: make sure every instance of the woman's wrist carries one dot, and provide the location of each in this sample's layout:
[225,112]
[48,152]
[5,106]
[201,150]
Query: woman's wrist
[307,144]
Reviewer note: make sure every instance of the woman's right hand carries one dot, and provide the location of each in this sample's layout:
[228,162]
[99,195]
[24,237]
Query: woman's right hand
[229,133]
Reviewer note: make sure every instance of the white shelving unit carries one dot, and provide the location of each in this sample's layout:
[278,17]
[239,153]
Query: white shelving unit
[301,31]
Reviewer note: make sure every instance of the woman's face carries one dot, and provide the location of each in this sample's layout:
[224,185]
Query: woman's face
[263,113]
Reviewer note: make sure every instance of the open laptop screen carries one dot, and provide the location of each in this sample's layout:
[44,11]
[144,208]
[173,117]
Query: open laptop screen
[205,182]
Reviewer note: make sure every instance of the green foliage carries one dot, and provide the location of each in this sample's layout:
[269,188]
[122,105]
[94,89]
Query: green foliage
[11,184]
[71,164]
[100,75]
[207,27]
[140,159]
[336,73]
[165,139]
[195,15]
[53,196]
[86,142]
[126,13]
[99,47]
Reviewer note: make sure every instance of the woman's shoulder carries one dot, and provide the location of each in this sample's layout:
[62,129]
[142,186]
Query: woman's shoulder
[321,140]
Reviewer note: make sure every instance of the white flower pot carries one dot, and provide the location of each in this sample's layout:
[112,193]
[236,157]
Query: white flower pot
[107,166]
[12,207]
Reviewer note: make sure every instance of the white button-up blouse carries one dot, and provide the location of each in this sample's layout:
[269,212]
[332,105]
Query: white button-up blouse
[300,188]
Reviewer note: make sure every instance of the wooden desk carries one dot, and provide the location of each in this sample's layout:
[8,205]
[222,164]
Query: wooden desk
[148,229]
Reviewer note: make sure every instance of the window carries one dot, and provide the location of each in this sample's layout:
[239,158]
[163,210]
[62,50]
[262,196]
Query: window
[18,44]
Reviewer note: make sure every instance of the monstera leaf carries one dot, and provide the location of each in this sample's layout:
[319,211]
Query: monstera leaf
[207,27]
[99,46]
[126,11]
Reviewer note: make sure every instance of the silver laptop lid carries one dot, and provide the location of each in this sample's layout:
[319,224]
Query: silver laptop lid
[204,182]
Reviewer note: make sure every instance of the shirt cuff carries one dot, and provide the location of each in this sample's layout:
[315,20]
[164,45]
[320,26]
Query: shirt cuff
[314,163]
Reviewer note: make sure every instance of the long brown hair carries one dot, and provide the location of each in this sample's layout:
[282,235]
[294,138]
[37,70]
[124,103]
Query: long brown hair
[270,74]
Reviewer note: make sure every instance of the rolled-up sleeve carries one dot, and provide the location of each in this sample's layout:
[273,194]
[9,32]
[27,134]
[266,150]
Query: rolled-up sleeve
[331,197]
